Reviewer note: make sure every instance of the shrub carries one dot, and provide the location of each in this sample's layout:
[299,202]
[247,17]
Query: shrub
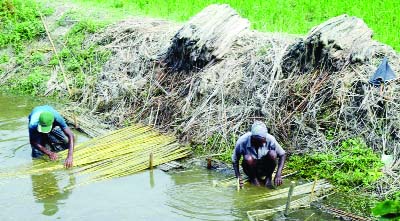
[20,22]
[81,61]
[352,164]
[33,84]
[387,210]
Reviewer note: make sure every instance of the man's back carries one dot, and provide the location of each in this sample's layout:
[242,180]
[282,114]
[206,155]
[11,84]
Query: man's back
[35,114]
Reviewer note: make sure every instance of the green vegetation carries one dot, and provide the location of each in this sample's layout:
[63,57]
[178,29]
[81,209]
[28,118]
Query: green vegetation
[4,58]
[291,16]
[350,164]
[20,22]
[388,209]
[81,61]
[33,84]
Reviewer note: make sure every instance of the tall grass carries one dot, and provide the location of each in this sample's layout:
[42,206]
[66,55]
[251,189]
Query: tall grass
[291,16]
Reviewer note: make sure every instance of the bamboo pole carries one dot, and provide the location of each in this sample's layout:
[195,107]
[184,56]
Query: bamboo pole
[55,52]
[292,184]
[75,121]
[151,161]
[313,189]
[209,163]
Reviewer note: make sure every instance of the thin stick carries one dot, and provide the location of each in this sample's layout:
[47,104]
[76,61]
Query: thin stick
[292,184]
[55,52]
[312,189]
[209,163]
[309,217]
[151,161]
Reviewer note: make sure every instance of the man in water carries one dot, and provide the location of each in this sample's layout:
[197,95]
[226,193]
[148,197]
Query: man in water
[48,134]
[260,151]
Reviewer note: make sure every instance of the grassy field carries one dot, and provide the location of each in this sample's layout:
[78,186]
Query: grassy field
[290,16]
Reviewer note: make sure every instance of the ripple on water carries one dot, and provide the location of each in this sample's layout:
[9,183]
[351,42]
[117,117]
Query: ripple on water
[194,196]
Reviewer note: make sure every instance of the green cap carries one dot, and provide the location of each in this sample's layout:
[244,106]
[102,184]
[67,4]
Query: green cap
[46,120]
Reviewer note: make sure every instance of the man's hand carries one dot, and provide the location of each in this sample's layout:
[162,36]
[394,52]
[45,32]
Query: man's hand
[240,182]
[53,156]
[278,180]
[69,162]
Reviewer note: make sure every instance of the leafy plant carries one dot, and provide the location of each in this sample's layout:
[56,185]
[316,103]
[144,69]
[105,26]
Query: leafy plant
[4,59]
[37,58]
[387,210]
[353,164]
[20,22]
[33,84]
[81,61]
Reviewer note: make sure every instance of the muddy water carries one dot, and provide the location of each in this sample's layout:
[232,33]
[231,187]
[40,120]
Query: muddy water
[149,195]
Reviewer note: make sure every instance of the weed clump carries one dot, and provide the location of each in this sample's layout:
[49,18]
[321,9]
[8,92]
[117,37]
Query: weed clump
[81,61]
[33,84]
[388,209]
[351,164]
[20,22]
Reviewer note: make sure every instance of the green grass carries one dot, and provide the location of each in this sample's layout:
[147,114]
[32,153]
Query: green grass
[81,62]
[350,164]
[20,22]
[21,26]
[290,16]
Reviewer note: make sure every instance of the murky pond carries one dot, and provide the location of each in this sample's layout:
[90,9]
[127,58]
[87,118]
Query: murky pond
[149,195]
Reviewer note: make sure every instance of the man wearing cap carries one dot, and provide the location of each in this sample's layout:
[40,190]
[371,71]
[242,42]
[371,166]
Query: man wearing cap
[48,134]
[260,151]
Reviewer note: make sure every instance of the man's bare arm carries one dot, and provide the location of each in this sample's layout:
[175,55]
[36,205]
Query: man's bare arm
[278,176]
[53,156]
[71,145]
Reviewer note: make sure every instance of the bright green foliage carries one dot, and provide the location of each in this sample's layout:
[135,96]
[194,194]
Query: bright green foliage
[387,210]
[20,22]
[291,16]
[352,164]
[33,84]
[37,58]
[330,134]
[4,58]
[79,60]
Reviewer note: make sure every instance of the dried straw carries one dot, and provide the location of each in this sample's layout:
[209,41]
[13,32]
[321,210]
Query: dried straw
[247,83]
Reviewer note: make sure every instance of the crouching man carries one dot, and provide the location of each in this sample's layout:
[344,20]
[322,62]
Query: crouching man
[260,152]
[49,134]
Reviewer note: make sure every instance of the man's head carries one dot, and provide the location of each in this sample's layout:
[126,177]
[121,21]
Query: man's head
[258,134]
[46,120]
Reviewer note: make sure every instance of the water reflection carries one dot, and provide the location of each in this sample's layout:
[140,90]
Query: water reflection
[151,175]
[46,190]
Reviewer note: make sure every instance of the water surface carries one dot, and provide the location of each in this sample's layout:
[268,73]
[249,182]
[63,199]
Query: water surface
[149,195]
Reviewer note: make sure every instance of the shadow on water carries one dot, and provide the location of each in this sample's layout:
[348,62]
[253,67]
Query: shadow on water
[151,178]
[46,190]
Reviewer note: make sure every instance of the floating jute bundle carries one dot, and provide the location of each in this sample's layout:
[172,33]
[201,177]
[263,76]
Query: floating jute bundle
[308,193]
[119,153]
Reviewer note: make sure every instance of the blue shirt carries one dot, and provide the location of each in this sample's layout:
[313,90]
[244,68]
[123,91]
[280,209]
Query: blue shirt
[34,134]
[243,147]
